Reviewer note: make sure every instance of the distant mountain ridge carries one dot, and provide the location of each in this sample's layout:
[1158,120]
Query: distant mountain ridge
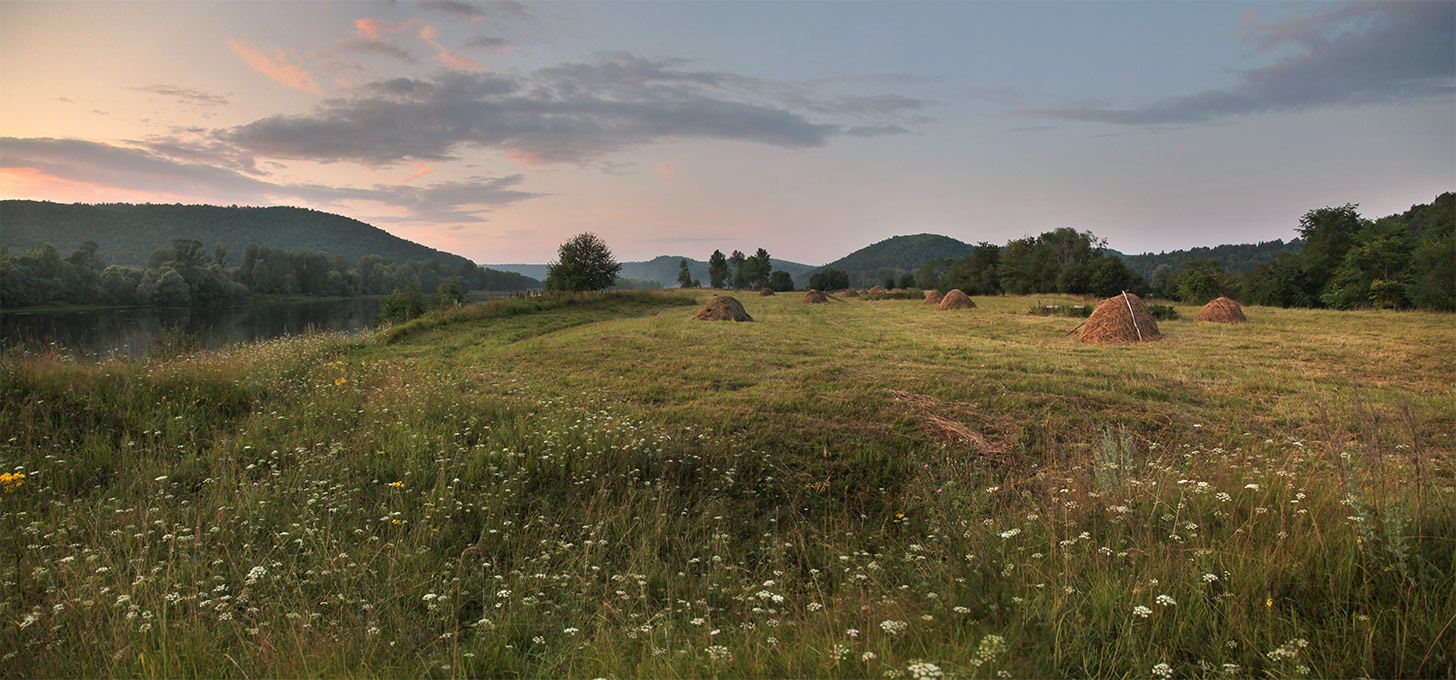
[128,233]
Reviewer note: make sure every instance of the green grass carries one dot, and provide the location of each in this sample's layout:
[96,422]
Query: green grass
[600,486]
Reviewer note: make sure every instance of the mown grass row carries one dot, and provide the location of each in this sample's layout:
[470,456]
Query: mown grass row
[604,488]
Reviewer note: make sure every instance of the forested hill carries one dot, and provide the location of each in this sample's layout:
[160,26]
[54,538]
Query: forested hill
[129,233]
[897,255]
[1235,259]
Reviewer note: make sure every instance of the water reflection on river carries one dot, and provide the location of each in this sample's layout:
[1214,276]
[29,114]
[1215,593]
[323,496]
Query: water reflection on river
[132,331]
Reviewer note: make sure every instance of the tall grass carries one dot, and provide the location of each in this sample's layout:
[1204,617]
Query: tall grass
[602,487]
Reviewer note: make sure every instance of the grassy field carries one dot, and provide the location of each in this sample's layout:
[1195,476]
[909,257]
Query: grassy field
[602,487]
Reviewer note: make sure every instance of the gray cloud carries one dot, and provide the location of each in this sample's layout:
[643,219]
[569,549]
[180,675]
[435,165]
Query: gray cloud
[194,171]
[371,46]
[187,95]
[1347,56]
[486,42]
[500,10]
[875,130]
[566,113]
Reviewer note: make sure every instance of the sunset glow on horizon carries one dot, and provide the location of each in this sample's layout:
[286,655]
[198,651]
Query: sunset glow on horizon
[497,130]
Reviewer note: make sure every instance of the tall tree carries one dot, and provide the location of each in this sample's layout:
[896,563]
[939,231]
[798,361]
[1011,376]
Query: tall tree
[1327,233]
[684,277]
[583,263]
[740,275]
[759,269]
[717,270]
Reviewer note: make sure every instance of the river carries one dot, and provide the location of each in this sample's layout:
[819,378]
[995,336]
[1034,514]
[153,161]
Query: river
[131,331]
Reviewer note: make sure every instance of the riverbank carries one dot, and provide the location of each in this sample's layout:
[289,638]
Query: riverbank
[604,487]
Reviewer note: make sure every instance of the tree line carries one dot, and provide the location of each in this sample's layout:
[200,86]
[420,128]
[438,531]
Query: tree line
[185,273]
[741,272]
[1346,261]
[1398,262]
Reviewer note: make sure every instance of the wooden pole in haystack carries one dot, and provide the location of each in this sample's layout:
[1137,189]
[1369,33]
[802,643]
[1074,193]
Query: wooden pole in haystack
[1132,316]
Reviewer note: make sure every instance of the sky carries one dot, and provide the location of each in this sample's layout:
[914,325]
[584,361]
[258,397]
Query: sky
[497,130]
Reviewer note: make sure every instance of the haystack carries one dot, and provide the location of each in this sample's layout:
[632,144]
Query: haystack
[955,299]
[850,293]
[1222,310]
[815,297]
[876,290]
[896,291]
[932,297]
[723,308]
[1120,318]
[765,292]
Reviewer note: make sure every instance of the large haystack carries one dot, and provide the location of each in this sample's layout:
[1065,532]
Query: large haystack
[876,290]
[955,299]
[1120,318]
[815,297]
[766,292]
[1222,310]
[932,297]
[850,293]
[723,308]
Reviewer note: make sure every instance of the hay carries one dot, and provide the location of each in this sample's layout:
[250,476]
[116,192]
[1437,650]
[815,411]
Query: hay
[955,299]
[1222,310]
[1120,318]
[896,291]
[932,297]
[723,308]
[850,293]
[765,292]
[815,297]
[876,290]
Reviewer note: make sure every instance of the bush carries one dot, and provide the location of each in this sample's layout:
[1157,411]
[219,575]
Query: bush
[403,304]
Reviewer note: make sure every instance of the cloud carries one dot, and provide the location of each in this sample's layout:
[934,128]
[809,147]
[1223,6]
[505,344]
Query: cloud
[424,169]
[186,95]
[276,67]
[380,47]
[463,10]
[570,113]
[1345,56]
[876,130]
[149,172]
[370,28]
[668,169]
[429,34]
[486,42]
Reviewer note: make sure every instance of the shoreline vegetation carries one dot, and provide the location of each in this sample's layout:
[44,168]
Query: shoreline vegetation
[599,486]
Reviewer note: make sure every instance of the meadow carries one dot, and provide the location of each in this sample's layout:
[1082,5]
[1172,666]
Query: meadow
[598,486]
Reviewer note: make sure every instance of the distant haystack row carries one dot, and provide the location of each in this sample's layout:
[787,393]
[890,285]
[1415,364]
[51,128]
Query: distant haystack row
[723,308]
[1222,310]
[1119,319]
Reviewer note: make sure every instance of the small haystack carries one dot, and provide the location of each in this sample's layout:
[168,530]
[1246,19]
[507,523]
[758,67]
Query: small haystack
[850,293]
[815,297]
[1120,318]
[765,292]
[723,308]
[955,299]
[876,290]
[932,297]
[896,291]
[1222,310]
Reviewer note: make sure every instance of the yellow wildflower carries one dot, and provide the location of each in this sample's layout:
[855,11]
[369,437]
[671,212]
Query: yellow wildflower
[10,481]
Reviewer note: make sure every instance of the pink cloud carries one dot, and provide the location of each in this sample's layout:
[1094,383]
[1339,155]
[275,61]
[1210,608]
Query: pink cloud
[277,67]
[24,182]
[668,169]
[456,61]
[525,157]
[424,169]
[378,29]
